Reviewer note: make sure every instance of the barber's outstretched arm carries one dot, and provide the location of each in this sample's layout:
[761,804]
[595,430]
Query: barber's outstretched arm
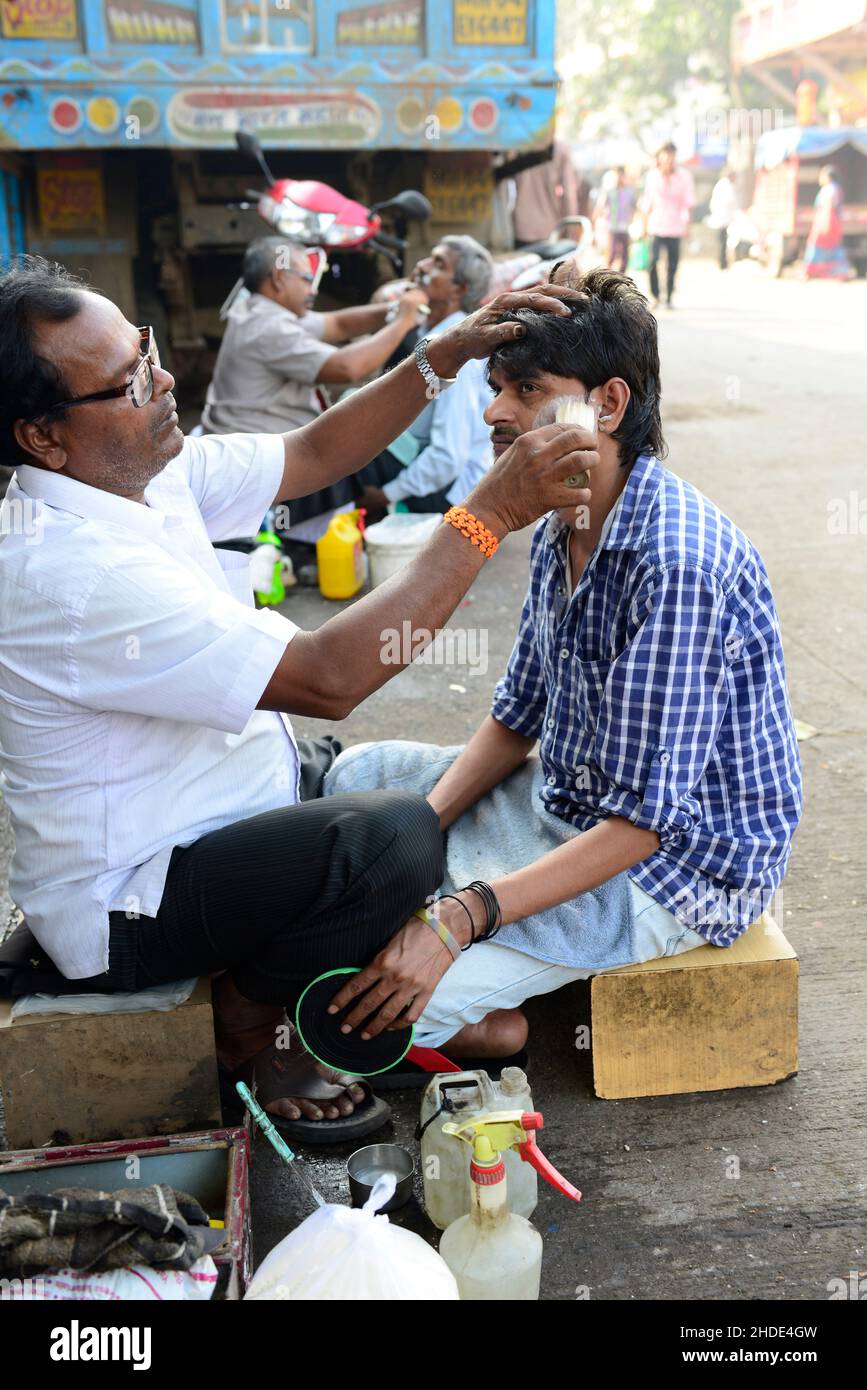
[342,324]
[359,359]
[346,437]
[330,671]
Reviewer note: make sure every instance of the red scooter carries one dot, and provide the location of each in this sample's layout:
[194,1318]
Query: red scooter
[313,213]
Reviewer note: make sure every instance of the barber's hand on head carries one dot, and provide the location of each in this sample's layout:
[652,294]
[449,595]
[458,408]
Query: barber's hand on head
[481,333]
[398,982]
[529,479]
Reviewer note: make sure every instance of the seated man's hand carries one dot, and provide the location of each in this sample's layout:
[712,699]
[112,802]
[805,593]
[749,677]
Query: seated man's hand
[399,981]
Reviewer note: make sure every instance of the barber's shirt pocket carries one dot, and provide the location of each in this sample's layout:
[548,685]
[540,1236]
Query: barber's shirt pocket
[235,566]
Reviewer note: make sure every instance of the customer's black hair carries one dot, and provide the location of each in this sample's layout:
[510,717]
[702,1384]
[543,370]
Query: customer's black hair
[32,291]
[609,333]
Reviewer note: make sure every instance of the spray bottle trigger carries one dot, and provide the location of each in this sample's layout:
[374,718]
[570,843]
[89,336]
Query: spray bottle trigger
[533,1155]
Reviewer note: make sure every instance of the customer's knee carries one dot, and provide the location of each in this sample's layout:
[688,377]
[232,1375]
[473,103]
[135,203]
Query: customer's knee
[415,854]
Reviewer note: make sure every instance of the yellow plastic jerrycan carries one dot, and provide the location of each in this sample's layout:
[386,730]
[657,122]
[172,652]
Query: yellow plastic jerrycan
[340,555]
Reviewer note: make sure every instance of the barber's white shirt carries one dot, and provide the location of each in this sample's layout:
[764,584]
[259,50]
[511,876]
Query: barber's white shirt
[131,663]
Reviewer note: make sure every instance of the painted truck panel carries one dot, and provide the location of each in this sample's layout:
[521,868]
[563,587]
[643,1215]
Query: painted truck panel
[435,75]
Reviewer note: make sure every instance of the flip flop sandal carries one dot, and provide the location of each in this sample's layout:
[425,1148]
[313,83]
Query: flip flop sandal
[409,1076]
[279,1072]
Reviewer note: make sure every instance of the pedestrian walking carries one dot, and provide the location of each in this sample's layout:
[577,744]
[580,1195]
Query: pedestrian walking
[825,256]
[545,195]
[723,206]
[615,206]
[669,197]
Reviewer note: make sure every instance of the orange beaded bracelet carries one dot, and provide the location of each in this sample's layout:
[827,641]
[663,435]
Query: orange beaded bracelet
[473,529]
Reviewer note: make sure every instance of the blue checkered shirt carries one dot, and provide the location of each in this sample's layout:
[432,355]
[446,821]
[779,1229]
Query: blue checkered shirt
[658,693]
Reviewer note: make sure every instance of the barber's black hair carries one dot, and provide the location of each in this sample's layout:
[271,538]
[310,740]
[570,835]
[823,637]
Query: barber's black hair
[609,333]
[33,291]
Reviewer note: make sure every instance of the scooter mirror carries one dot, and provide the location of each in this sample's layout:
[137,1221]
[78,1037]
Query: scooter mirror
[412,205]
[249,146]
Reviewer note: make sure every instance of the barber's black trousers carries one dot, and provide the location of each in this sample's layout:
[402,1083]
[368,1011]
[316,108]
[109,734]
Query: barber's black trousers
[282,897]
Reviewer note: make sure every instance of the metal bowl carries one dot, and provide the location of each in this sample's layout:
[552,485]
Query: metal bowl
[368,1164]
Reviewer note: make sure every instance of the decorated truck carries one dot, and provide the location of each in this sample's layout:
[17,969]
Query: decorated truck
[118,122]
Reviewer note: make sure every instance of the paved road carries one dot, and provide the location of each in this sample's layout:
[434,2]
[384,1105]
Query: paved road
[764,409]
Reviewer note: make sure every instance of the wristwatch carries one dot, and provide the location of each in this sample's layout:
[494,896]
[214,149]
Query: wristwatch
[435,383]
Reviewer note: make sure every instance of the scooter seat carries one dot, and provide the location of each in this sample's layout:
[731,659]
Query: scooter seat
[555,249]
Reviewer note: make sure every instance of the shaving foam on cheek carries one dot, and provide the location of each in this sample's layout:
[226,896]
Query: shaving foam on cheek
[571,410]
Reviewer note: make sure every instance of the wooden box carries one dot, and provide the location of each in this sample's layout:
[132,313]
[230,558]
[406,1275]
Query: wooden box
[74,1078]
[707,1020]
[213,1167]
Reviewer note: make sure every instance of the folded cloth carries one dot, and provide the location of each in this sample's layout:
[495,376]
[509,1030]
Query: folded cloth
[506,830]
[157,999]
[80,1228]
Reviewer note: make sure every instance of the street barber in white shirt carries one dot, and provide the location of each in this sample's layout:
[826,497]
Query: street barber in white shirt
[152,779]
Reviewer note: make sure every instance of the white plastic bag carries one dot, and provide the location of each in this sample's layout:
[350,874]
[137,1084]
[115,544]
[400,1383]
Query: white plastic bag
[340,1253]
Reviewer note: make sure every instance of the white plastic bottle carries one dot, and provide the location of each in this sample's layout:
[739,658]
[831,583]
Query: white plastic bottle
[445,1165]
[493,1254]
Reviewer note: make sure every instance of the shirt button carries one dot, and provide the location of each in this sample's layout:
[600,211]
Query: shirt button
[664,759]
[551,723]
[564,653]
[552,781]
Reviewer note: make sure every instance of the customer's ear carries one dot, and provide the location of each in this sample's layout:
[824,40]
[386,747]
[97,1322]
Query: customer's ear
[613,398]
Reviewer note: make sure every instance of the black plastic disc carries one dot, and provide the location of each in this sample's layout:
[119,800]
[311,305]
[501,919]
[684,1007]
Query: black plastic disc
[320,1032]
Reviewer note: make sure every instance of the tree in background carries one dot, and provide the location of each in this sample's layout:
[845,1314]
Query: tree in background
[647,49]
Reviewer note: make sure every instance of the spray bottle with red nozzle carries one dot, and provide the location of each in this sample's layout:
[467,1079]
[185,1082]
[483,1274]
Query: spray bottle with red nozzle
[493,1253]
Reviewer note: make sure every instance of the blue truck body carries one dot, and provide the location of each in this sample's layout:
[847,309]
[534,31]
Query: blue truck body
[393,74]
[118,122]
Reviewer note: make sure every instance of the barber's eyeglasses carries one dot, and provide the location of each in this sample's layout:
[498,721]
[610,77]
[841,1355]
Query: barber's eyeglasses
[302,275]
[139,388]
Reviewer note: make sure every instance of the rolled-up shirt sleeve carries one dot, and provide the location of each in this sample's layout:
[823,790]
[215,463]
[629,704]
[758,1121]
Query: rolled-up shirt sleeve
[152,641]
[520,695]
[664,701]
[234,479]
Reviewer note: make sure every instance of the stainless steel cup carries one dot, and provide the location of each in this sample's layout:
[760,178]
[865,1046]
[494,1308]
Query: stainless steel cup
[368,1164]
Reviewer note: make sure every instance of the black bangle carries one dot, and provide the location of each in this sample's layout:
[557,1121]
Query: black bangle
[456,899]
[493,913]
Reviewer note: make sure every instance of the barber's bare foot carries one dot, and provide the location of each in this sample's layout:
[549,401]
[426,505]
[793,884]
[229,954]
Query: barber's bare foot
[499,1034]
[243,1028]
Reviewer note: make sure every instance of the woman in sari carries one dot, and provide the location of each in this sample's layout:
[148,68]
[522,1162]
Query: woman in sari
[825,255]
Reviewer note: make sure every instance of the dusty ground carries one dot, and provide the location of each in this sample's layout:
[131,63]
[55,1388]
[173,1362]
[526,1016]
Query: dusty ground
[765,411]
